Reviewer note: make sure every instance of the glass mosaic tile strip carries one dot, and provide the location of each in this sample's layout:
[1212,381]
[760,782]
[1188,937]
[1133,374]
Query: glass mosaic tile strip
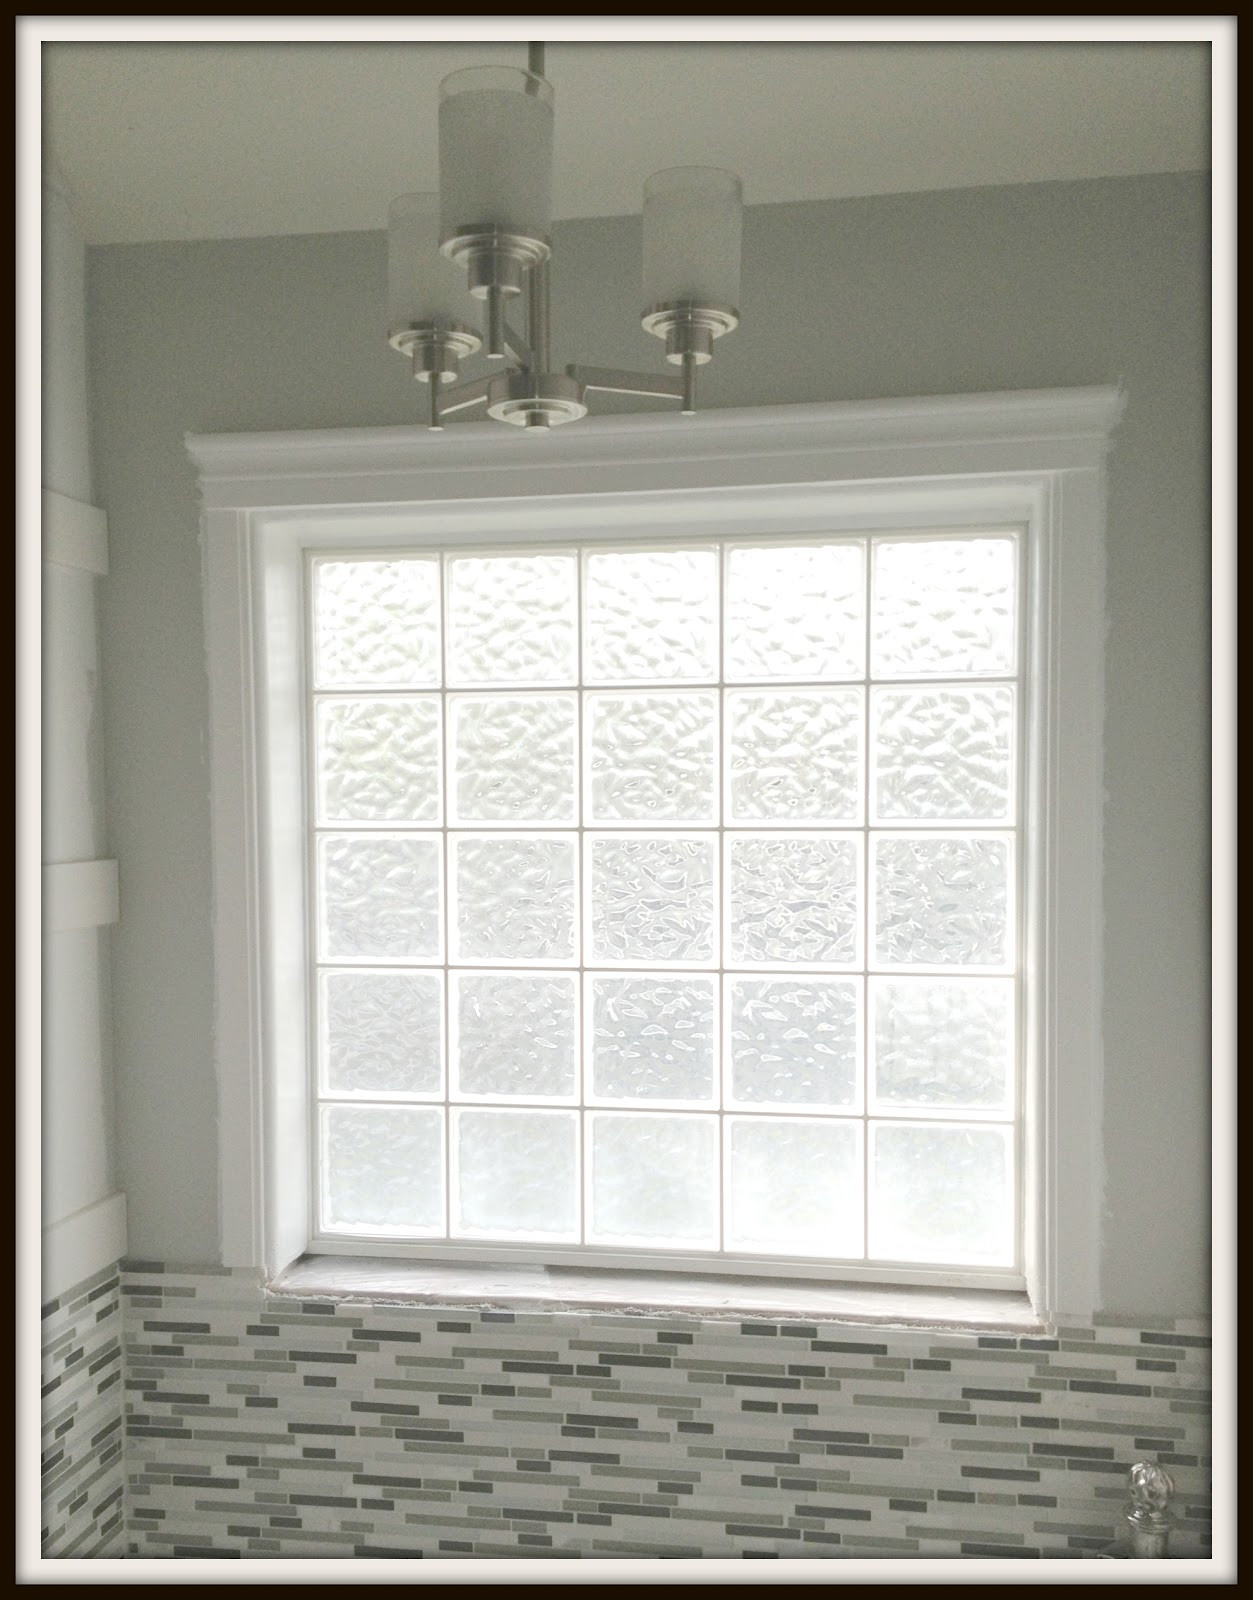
[455,1432]
[82,1433]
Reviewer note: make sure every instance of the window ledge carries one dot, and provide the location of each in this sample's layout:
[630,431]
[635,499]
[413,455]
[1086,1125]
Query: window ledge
[372,1280]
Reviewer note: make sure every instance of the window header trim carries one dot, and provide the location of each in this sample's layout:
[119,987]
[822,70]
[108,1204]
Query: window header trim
[1027,431]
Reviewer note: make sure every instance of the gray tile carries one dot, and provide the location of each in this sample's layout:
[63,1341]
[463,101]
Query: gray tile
[505,1434]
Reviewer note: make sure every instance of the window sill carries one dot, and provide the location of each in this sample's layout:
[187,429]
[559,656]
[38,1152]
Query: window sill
[547,1289]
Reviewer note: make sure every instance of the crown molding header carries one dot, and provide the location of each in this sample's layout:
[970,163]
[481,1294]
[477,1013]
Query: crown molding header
[1030,431]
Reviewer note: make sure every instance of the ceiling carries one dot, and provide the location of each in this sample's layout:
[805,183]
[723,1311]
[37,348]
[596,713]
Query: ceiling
[219,140]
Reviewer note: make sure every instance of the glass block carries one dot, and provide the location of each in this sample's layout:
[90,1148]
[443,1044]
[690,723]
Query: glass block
[654,1180]
[794,1041]
[513,758]
[652,900]
[512,619]
[943,754]
[793,898]
[653,1037]
[795,1187]
[794,755]
[515,1174]
[379,760]
[943,607]
[515,1033]
[796,611]
[514,898]
[942,1192]
[651,616]
[941,901]
[943,1042]
[380,896]
[383,1032]
[383,1170]
[376,622]
[652,758]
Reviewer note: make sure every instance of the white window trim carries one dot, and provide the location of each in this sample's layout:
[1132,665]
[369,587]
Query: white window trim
[1030,458]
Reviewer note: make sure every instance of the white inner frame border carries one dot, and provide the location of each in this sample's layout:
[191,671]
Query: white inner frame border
[1034,460]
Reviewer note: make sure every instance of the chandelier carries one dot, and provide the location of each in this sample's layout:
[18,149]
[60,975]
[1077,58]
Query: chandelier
[459,261]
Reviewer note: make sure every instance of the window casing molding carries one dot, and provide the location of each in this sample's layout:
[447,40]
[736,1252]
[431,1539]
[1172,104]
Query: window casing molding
[1035,460]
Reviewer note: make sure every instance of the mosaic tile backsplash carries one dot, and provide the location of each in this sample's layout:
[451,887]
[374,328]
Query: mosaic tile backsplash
[81,1458]
[261,1426]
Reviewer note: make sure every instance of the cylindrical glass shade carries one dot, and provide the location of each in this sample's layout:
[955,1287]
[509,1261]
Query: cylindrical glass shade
[495,152]
[692,226]
[422,285]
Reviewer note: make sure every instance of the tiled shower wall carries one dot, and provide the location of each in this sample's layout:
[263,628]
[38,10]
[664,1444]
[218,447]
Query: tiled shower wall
[258,1426]
[81,1378]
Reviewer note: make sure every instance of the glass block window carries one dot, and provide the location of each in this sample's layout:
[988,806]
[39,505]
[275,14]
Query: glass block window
[666,900]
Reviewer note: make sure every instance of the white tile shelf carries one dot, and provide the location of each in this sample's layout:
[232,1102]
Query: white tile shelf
[362,1278]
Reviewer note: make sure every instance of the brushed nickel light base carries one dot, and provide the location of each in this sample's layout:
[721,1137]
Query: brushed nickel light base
[435,348]
[541,400]
[496,263]
[689,329]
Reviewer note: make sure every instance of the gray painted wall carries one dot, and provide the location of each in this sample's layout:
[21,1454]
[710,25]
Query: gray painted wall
[1039,286]
[78,1166]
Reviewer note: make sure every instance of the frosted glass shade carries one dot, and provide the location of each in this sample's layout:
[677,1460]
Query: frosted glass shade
[422,285]
[692,228]
[495,152]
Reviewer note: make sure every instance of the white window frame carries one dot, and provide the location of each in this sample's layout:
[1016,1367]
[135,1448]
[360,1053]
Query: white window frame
[1034,460]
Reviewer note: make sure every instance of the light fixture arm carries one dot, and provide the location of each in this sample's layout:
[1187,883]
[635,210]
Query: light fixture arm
[466,395]
[460,398]
[615,380]
[516,346]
